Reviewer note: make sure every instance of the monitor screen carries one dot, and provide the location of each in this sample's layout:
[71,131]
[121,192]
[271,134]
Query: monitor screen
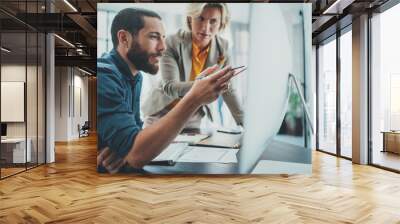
[279,45]
[3,129]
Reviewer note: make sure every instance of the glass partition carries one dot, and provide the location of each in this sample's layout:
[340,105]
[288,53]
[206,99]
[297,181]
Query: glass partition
[22,88]
[41,109]
[31,98]
[13,104]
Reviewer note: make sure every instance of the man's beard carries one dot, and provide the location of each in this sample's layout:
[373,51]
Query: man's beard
[140,59]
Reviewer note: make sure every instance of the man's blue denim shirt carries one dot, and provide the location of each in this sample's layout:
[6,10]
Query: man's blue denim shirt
[118,104]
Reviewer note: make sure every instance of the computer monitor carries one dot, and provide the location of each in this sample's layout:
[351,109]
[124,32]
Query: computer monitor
[280,44]
[3,129]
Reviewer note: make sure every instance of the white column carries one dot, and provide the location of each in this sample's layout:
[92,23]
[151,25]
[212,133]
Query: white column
[360,90]
[50,108]
[50,92]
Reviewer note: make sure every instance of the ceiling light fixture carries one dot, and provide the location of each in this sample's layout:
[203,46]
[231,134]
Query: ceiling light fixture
[70,5]
[65,41]
[337,7]
[84,71]
[5,50]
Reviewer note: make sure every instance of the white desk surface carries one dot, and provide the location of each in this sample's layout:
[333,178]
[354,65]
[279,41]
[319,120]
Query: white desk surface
[13,140]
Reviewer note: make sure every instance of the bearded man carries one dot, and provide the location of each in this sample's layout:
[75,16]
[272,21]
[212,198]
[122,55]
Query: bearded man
[138,38]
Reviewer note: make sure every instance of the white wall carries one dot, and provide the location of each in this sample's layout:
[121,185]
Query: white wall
[61,103]
[79,117]
[33,127]
[70,83]
[16,73]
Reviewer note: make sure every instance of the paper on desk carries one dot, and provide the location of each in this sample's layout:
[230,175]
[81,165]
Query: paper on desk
[172,152]
[190,138]
[195,154]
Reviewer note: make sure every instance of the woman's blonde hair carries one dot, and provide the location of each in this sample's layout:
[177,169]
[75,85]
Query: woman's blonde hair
[195,9]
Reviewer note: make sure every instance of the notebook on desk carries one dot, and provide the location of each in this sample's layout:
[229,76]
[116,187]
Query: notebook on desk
[221,140]
[182,152]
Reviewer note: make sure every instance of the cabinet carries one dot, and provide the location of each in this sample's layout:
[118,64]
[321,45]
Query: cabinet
[391,141]
[13,150]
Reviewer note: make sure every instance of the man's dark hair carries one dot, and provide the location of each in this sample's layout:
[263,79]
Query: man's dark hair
[131,20]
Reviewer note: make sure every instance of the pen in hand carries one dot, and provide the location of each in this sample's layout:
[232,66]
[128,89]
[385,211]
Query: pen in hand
[244,69]
[232,69]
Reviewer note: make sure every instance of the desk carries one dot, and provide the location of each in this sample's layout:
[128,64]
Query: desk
[284,156]
[391,141]
[13,150]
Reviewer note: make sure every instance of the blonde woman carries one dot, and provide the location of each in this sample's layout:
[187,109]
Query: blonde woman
[188,53]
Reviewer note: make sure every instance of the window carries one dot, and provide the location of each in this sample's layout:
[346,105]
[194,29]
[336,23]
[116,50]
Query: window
[327,97]
[385,88]
[346,94]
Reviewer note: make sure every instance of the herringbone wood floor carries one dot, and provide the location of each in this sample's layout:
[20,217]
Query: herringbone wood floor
[70,191]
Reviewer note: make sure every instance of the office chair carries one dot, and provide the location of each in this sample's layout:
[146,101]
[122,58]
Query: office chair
[84,130]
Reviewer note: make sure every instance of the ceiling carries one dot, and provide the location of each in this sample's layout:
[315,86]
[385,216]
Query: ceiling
[75,21]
